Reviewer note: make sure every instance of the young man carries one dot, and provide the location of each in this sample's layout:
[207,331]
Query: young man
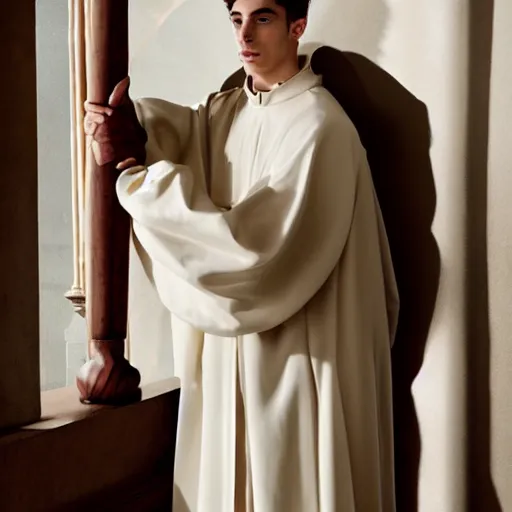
[255,219]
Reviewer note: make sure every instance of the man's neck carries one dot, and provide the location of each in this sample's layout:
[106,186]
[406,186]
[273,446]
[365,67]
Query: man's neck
[267,82]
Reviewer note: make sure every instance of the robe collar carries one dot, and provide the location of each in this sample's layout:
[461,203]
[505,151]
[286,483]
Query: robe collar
[304,80]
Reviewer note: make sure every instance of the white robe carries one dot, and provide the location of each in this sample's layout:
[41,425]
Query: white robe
[256,221]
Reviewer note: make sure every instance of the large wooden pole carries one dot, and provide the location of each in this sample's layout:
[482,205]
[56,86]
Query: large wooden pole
[107,377]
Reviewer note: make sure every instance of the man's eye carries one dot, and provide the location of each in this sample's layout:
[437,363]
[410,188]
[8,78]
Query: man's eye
[263,20]
[237,22]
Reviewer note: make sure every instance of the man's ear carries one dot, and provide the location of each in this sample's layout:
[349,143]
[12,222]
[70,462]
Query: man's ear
[297,28]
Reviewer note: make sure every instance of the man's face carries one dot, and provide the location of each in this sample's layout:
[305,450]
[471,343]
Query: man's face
[265,38]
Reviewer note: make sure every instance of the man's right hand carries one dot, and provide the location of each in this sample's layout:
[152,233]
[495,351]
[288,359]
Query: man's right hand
[114,132]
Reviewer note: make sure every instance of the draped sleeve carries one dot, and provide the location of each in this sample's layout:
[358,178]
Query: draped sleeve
[251,268]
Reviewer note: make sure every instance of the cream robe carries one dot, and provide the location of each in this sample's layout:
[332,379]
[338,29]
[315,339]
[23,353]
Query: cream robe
[256,221]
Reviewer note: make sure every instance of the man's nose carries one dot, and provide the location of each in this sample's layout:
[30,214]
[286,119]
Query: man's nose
[246,33]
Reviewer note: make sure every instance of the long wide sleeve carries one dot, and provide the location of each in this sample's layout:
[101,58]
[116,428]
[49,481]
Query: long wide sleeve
[252,267]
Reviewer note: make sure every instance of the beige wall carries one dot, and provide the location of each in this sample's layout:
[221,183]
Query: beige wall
[439,51]
[500,251]
[425,49]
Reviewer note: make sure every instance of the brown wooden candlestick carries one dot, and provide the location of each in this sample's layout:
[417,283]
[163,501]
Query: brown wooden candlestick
[107,377]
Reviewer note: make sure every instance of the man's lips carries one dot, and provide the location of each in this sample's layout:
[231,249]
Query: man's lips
[247,54]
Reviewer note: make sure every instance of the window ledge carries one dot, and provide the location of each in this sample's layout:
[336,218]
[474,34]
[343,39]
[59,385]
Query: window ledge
[87,457]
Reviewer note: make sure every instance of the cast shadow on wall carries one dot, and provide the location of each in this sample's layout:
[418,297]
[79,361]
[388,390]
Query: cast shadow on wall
[394,128]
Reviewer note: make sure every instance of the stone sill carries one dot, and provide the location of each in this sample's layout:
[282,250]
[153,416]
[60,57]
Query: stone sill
[80,457]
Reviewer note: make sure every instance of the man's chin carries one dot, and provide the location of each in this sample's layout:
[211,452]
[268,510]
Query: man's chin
[252,67]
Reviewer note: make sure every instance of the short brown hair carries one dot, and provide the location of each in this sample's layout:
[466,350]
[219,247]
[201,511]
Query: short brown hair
[295,9]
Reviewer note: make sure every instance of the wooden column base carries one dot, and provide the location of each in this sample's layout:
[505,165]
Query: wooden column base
[108,378]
